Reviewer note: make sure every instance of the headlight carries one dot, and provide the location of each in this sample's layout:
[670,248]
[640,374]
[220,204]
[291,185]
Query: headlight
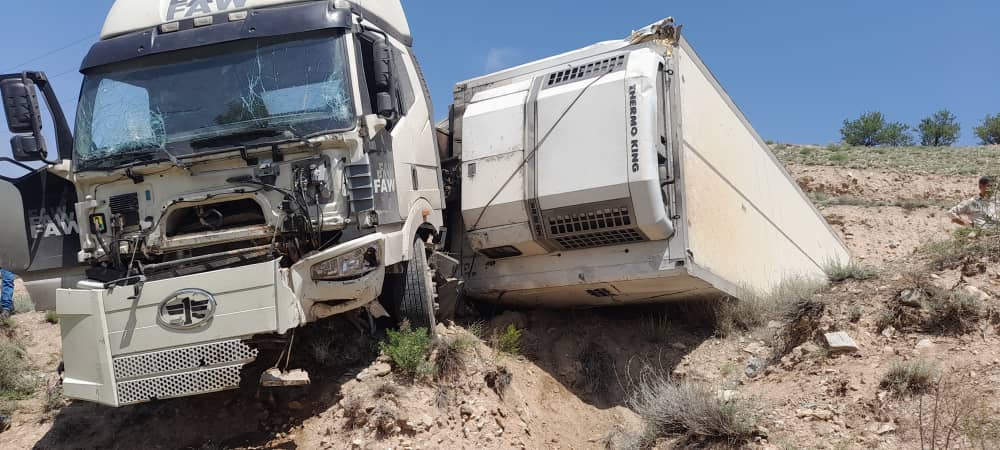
[350,265]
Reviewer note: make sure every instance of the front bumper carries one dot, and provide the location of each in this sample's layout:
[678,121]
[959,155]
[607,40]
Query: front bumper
[118,349]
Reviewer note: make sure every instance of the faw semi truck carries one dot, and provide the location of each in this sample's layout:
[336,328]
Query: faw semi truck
[238,169]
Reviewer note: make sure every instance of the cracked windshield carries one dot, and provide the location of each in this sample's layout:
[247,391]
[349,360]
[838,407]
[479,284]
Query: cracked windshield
[213,98]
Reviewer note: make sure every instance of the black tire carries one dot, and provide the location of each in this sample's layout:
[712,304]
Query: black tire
[416,304]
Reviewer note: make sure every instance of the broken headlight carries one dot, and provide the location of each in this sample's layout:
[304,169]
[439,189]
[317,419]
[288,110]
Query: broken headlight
[350,265]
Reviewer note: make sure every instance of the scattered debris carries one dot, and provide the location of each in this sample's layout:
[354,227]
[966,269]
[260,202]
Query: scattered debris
[841,342]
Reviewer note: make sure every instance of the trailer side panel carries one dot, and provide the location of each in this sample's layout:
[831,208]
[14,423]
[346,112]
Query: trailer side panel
[748,223]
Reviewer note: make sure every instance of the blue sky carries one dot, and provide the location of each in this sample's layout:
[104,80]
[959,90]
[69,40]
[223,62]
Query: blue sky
[797,69]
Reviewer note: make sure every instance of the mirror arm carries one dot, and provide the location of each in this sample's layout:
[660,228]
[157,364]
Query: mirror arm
[64,137]
[24,166]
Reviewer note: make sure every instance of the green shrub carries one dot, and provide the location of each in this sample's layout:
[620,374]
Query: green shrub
[910,378]
[989,131]
[939,130]
[408,349]
[509,340]
[51,317]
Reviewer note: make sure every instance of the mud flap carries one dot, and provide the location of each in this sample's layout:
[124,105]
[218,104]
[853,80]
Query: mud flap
[38,228]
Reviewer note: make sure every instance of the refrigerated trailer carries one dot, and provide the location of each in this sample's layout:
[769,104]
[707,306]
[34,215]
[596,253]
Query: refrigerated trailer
[239,169]
[623,173]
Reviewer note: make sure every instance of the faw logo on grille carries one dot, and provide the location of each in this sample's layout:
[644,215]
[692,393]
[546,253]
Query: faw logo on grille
[187,309]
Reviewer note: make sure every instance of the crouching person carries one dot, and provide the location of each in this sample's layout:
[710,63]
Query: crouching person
[978,211]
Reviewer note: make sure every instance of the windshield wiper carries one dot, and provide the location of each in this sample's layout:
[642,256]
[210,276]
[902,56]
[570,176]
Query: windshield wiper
[143,157]
[245,137]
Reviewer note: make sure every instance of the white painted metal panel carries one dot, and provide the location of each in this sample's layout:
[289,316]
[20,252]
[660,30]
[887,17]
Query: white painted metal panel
[582,152]
[748,223]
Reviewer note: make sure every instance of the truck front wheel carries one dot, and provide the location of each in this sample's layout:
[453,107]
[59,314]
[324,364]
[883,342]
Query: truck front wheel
[411,293]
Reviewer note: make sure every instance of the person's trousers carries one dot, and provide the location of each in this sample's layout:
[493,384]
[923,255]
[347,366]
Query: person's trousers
[7,291]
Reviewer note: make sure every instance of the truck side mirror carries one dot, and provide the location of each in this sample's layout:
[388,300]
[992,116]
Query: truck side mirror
[27,148]
[383,80]
[24,116]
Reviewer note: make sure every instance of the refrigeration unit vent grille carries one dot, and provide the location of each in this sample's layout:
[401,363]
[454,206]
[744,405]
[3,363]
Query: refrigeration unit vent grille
[584,71]
[594,228]
[602,239]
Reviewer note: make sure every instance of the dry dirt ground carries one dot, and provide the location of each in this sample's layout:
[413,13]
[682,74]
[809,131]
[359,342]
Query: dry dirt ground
[570,384]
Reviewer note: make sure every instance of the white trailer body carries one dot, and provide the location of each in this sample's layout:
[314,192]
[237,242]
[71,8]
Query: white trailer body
[623,173]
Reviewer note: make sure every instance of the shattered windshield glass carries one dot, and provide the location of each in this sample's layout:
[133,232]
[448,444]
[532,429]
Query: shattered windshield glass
[208,98]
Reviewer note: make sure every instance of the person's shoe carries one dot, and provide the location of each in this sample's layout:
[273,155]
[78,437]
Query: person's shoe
[4,423]
[5,314]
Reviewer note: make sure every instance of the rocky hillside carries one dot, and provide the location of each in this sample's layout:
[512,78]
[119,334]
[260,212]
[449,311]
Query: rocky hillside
[920,362]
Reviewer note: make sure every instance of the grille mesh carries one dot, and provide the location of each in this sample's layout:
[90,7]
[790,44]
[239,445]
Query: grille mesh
[586,71]
[179,385]
[188,358]
[600,239]
[589,221]
[121,204]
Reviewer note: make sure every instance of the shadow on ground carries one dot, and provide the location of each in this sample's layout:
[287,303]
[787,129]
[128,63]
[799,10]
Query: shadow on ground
[248,417]
[598,354]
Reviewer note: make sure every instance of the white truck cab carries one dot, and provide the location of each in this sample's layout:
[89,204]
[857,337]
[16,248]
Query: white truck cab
[238,168]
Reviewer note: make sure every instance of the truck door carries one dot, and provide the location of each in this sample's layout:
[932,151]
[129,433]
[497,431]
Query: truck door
[38,227]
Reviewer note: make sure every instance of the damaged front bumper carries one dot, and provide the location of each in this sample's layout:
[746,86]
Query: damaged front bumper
[185,335]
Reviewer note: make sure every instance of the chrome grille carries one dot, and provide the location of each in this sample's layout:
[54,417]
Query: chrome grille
[180,359]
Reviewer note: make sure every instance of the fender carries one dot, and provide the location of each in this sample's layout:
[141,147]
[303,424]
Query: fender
[399,241]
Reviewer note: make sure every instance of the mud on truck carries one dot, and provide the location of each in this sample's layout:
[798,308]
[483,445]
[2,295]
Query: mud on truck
[241,168]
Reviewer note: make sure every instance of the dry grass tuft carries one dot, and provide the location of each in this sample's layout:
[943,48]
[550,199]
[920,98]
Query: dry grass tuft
[954,414]
[752,310]
[23,304]
[910,378]
[620,439]
[925,307]
[499,379]
[801,324]
[354,411]
[655,328]
[54,399]
[954,313]
[839,272]
[15,380]
[690,410]
[449,357]
[598,367]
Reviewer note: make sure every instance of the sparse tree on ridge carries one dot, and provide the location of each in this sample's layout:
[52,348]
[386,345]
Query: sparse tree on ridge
[863,131]
[939,130]
[989,131]
[871,130]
